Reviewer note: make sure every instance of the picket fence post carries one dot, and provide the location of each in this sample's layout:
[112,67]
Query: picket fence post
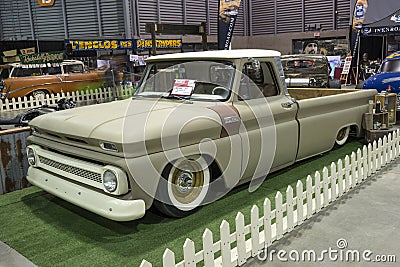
[353,170]
[168,258]
[255,231]
[145,264]
[347,173]
[189,253]
[267,223]
[325,189]
[208,248]
[317,189]
[340,177]
[359,166]
[289,208]
[279,215]
[240,241]
[333,179]
[225,243]
[299,202]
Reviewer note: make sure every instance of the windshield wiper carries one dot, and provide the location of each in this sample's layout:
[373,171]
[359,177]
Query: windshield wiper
[173,97]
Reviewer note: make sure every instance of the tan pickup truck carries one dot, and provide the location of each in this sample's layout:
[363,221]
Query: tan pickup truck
[199,124]
[20,80]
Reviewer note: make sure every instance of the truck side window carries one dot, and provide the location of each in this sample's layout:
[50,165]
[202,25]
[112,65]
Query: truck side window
[257,83]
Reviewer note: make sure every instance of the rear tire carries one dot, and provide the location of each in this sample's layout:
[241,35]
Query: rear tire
[334,83]
[40,94]
[342,136]
[184,187]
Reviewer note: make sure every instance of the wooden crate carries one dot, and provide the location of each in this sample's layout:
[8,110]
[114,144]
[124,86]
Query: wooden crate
[371,135]
[389,104]
[370,118]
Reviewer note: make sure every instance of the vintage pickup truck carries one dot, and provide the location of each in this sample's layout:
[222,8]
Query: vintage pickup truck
[199,124]
[19,80]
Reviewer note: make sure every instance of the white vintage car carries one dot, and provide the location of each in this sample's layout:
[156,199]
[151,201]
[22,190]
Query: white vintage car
[199,124]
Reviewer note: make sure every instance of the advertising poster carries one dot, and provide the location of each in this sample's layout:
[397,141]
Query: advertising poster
[334,61]
[228,10]
[360,9]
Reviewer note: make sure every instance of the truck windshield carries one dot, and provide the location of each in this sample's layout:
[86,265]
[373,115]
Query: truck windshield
[197,80]
[391,66]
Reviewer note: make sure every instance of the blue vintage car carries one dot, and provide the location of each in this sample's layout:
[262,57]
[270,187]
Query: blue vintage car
[388,74]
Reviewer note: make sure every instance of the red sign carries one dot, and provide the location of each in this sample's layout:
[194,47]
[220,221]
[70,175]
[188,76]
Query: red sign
[46,2]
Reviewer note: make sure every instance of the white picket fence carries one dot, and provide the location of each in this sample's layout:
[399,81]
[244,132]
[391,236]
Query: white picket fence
[286,216]
[99,95]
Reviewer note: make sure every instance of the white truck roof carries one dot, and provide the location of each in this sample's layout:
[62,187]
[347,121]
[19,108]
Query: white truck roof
[218,54]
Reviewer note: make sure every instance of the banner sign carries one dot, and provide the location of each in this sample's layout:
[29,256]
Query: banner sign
[228,10]
[141,44]
[108,44]
[359,13]
[42,58]
[126,44]
[360,9]
[381,30]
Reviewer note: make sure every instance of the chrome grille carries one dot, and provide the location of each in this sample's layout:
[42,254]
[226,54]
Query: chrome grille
[72,170]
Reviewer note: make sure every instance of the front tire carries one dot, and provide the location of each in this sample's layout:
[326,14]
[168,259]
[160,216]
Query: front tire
[184,187]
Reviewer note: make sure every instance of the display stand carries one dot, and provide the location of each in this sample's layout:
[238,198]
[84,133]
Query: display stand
[388,103]
[376,121]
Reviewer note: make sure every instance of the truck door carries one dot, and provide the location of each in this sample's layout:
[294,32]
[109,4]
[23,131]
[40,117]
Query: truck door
[271,136]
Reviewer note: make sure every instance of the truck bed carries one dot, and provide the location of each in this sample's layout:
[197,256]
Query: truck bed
[306,93]
[323,112]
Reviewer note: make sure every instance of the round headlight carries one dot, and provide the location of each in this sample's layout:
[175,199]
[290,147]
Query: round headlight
[30,153]
[110,181]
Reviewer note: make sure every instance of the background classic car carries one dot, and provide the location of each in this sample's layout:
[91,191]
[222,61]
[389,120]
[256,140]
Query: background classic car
[387,75]
[178,148]
[308,70]
[19,80]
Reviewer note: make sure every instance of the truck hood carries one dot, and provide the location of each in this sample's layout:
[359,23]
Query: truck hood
[150,124]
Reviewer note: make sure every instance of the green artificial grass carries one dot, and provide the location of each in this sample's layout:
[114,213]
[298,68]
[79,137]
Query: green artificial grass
[52,232]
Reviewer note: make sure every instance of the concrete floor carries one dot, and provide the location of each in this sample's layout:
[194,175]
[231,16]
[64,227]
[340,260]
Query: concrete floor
[368,218]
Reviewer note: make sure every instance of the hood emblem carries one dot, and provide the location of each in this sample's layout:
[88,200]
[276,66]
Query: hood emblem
[231,119]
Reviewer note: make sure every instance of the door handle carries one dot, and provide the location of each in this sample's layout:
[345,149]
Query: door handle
[289,104]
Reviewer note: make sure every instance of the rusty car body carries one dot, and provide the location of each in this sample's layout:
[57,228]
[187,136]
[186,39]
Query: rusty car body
[19,80]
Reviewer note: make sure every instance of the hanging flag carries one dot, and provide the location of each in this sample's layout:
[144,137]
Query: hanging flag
[360,9]
[228,10]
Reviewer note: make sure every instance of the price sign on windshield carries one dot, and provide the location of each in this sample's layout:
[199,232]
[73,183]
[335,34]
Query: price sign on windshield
[183,87]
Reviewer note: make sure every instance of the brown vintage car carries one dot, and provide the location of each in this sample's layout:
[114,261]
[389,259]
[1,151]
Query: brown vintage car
[18,80]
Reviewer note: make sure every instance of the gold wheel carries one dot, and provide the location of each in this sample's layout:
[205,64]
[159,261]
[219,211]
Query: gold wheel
[188,183]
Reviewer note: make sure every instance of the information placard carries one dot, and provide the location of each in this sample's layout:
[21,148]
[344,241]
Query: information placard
[347,65]
[183,87]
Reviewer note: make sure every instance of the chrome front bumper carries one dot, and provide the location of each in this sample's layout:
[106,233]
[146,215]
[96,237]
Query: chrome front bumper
[99,203]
